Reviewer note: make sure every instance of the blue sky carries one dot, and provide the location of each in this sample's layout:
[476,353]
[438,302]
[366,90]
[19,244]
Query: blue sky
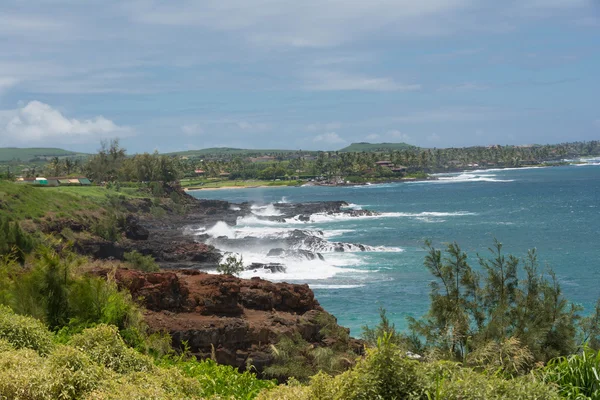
[312,74]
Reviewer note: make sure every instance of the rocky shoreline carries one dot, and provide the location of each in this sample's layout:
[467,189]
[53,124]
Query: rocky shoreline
[233,320]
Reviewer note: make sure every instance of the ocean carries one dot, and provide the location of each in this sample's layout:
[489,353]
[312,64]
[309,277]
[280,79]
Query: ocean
[555,210]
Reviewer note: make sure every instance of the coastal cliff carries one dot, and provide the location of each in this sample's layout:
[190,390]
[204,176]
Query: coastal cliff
[233,320]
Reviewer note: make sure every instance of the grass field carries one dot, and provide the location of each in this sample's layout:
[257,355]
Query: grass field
[23,201]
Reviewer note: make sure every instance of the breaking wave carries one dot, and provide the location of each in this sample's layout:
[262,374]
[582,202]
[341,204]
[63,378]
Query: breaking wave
[465,177]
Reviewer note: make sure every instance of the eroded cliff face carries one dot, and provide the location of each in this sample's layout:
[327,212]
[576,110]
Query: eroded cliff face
[239,318]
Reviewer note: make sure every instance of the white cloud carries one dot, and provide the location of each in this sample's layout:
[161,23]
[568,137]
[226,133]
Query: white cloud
[597,123]
[330,138]
[339,81]
[373,136]
[38,123]
[192,129]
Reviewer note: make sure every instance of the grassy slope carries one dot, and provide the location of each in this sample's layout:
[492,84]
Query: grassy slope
[22,201]
[363,146]
[232,151]
[26,154]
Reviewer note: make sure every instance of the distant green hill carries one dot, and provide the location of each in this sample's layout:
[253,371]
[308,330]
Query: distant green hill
[28,154]
[364,146]
[230,151]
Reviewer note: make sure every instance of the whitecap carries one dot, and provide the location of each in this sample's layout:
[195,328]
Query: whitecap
[268,210]
[319,286]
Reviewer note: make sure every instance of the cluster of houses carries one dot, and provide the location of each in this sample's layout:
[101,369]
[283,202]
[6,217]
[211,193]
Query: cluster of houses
[56,181]
[399,169]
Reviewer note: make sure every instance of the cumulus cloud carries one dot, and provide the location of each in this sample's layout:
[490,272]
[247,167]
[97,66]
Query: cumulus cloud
[329,138]
[373,136]
[38,123]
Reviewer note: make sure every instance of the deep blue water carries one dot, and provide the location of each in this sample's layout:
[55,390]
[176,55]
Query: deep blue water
[556,210]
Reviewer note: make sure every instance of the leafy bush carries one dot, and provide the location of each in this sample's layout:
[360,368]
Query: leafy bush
[76,372]
[386,373]
[141,262]
[104,345]
[220,380]
[231,266]
[24,332]
[13,240]
[577,376]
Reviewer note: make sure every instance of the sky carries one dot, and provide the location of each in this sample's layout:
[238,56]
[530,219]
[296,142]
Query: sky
[313,74]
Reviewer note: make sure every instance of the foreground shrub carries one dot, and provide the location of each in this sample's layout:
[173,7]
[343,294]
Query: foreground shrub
[104,345]
[576,376]
[24,332]
[23,375]
[160,384]
[141,262]
[220,380]
[386,373]
[76,371]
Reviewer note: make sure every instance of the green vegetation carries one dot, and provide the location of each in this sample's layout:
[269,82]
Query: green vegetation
[141,262]
[28,154]
[231,266]
[376,147]
[473,309]
[387,373]
[97,364]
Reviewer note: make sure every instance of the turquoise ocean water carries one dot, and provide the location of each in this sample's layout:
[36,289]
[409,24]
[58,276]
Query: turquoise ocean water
[556,210]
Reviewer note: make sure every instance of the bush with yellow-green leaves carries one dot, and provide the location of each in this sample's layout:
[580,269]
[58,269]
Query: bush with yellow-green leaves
[387,373]
[97,364]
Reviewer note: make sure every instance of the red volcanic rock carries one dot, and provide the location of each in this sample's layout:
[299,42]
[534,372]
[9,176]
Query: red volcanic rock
[236,318]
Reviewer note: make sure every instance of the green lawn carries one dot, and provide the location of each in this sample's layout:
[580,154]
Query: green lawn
[24,201]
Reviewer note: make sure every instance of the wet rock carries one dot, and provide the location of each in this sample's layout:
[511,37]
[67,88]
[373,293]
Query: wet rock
[271,267]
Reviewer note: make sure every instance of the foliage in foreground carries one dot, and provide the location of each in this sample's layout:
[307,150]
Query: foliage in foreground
[576,376]
[97,364]
[475,312]
[386,373]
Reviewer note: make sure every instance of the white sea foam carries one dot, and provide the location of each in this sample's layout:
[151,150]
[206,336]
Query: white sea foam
[478,171]
[221,229]
[352,206]
[320,218]
[302,270]
[465,177]
[265,211]
[319,286]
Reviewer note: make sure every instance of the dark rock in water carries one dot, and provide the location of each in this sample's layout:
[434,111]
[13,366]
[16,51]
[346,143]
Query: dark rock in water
[276,252]
[304,218]
[301,254]
[273,267]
